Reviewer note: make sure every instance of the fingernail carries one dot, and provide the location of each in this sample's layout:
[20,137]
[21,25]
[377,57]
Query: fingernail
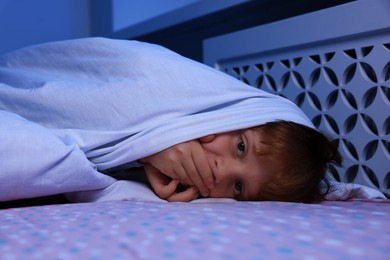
[196,196]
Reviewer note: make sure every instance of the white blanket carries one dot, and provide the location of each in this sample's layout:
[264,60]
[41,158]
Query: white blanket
[74,108]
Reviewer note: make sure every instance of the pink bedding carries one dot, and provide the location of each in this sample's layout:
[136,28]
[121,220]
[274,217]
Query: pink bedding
[201,230]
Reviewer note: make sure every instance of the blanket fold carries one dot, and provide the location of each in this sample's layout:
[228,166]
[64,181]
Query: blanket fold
[36,163]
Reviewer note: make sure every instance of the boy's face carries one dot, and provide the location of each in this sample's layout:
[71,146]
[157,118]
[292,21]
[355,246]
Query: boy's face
[238,171]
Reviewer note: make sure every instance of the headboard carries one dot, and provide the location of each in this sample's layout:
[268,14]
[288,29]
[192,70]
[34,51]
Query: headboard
[335,65]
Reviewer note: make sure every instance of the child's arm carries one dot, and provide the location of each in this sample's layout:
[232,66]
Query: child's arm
[186,162]
[166,187]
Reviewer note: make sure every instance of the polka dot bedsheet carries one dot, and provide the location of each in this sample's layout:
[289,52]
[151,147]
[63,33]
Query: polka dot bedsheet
[217,230]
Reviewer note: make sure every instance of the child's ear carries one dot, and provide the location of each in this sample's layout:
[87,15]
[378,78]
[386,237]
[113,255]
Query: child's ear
[207,139]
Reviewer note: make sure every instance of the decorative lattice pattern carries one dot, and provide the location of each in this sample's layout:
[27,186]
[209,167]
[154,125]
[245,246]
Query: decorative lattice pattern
[346,94]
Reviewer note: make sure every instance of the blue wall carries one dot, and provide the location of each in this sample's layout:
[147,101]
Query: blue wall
[127,13]
[28,22]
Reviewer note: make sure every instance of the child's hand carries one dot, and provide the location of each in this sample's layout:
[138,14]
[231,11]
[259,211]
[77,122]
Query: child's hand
[165,187]
[186,162]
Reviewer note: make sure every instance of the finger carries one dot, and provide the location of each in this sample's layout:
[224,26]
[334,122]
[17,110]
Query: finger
[162,185]
[196,177]
[207,139]
[198,169]
[168,190]
[189,194]
[182,174]
[203,168]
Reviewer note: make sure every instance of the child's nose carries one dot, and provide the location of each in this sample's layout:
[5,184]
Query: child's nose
[220,170]
[224,169]
[225,172]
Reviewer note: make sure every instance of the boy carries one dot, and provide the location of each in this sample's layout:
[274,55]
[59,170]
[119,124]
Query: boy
[72,110]
[281,161]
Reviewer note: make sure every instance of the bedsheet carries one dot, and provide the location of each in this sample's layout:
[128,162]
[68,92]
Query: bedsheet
[209,230]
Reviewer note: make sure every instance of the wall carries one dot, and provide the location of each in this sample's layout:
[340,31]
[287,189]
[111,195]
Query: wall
[26,22]
[128,13]
[184,29]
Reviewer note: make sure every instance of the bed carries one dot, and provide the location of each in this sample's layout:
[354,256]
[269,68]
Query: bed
[353,224]
[217,230]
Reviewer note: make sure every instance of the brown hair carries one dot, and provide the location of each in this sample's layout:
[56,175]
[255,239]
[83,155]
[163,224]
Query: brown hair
[302,156]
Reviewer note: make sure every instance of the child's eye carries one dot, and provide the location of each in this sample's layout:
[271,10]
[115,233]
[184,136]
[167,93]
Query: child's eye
[238,187]
[240,147]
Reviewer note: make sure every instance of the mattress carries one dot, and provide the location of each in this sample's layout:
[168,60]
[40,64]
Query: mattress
[212,230]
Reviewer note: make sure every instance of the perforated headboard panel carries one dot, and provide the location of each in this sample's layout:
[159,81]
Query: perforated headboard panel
[341,81]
